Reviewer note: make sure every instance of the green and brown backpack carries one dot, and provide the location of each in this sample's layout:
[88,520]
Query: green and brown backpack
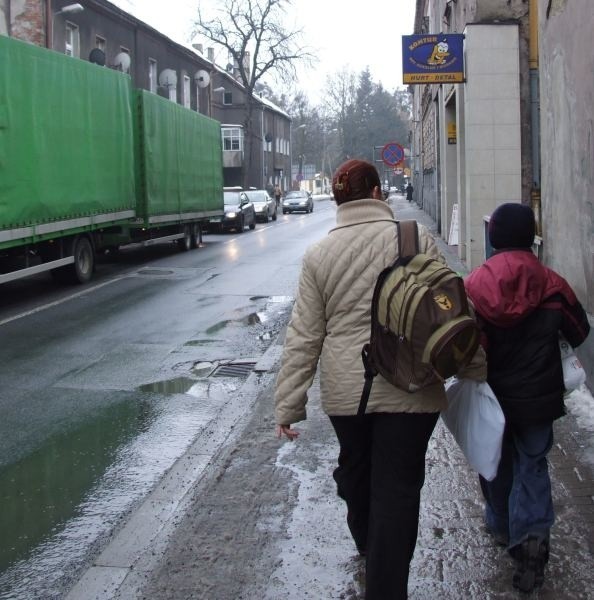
[422,331]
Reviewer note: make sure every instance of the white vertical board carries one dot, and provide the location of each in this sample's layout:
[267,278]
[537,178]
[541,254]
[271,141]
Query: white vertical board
[453,239]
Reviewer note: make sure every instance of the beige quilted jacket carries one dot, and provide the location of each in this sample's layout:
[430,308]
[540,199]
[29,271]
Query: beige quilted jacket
[331,319]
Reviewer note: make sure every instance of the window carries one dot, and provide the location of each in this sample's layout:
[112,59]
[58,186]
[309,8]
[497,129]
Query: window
[228,98]
[152,75]
[187,94]
[100,43]
[232,138]
[72,43]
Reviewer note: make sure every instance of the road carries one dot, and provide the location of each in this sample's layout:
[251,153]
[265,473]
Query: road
[106,385]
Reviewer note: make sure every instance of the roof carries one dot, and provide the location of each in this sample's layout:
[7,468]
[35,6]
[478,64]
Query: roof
[128,7]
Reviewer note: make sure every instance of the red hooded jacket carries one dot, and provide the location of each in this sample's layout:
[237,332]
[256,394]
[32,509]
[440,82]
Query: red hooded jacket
[521,307]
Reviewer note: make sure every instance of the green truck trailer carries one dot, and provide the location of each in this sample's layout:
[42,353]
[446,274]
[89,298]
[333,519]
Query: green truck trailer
[88,164]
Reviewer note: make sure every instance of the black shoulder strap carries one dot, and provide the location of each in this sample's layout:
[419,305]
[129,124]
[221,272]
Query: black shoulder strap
[369,375]
[408,238]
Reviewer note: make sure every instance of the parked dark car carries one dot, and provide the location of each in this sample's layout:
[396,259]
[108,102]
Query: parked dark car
[298,200]
[264,204]
[239,212]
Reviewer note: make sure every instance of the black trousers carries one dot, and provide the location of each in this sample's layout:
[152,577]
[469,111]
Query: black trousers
[380,473]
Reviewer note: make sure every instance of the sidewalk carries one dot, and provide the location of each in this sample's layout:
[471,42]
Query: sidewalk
[265,522]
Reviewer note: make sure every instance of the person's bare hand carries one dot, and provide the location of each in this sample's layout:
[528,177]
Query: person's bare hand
[281,430]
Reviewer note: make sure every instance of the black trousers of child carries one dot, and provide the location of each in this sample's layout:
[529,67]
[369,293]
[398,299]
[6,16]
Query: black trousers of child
[380,473]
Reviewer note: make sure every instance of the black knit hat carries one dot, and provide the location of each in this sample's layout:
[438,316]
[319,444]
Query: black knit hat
[512,225]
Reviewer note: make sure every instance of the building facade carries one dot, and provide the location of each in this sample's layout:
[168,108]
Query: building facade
[100,31]
[517,129]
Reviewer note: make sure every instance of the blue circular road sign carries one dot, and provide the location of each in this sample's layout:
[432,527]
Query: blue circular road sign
[392,154]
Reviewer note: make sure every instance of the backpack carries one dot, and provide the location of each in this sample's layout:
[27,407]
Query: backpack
[422,331]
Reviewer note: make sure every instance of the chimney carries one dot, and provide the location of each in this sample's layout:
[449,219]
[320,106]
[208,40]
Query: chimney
[198,47]
[210,54]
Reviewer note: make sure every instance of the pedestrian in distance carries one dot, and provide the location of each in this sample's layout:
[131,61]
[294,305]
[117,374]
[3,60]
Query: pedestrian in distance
[277,194]
[521,307]
[381,462]
[409,191]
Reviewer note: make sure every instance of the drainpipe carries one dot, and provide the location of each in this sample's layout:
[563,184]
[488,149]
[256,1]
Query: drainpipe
[534,111]
[49,34]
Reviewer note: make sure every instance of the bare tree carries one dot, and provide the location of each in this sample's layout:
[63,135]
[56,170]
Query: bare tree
[254,34]
[340,98]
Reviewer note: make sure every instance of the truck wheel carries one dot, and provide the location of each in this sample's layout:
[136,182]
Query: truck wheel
[81,270]
[84,260]
[195,236]
[185,243]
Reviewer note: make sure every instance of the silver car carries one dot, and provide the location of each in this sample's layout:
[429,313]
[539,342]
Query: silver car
[264,204]
[298,200]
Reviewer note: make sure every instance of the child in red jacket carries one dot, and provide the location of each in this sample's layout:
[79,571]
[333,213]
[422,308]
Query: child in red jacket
[521,307]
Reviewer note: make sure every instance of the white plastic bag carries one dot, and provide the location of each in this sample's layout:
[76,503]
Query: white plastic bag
[476,421]
[573,372]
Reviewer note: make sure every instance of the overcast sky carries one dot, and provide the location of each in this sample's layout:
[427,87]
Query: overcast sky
[342,33]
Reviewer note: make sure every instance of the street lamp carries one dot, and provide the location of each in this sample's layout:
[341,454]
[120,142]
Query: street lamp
[69,9]
[301,156]
[323,174]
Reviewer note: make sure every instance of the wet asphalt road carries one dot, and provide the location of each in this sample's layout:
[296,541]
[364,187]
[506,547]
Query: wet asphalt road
[106,385]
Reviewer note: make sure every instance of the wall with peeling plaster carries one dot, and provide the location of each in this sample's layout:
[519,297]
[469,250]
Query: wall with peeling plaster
[24,20]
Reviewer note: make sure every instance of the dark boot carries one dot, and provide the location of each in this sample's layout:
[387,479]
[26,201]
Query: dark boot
[532,555]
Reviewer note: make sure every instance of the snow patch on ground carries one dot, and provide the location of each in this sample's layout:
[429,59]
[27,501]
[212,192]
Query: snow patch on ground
[580,403]
[310,553]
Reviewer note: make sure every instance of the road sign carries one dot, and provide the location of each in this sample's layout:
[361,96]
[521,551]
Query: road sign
[392,154]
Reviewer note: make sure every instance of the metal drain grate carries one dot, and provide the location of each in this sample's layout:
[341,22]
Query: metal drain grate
[234,369]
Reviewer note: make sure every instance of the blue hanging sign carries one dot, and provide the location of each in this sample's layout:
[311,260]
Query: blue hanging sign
[433,58]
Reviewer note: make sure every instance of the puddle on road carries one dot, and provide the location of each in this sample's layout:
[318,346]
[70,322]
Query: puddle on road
[200,342]
[271,306]
[218,327]
[253,318]
[59,502]
[179,385]
[155,272]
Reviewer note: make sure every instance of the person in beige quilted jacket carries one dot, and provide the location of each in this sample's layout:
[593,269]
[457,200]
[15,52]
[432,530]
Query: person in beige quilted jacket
[381,464]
